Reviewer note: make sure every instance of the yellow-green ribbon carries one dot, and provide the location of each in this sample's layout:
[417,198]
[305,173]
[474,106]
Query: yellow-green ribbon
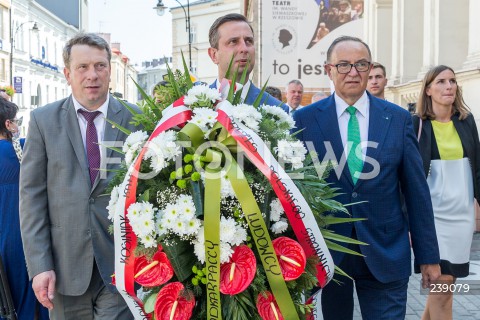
[252,212]
[212,243]
[262,240]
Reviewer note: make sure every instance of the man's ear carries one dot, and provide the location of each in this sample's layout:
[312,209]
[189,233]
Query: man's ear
[66,72]
[212,53]
[328,69]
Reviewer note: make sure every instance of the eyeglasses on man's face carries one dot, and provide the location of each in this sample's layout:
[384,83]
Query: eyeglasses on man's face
[344,67]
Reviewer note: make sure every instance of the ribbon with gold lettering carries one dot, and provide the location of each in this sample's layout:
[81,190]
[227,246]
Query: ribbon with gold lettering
[263,242]
[125,239]
[296,207]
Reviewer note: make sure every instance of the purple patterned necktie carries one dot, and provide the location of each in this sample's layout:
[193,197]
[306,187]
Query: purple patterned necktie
[93,150]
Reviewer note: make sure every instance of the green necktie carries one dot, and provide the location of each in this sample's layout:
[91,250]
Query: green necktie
[355,164]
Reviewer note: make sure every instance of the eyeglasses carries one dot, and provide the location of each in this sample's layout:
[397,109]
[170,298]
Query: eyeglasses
[18,122]
[346,67]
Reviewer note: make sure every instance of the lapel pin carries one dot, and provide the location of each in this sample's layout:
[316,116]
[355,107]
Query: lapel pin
[113,126]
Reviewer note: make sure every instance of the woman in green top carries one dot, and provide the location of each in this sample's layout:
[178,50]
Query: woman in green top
[450,149]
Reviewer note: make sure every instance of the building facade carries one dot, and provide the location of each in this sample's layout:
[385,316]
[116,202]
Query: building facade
[151,73]
[202,15]
[37,38]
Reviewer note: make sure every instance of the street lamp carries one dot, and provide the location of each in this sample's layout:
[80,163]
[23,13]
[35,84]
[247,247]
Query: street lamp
[12,45]
[160,7]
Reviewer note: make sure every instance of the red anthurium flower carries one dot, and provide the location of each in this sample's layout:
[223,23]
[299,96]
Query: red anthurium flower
[267,307]
[237,274]
[291,257]
[174,303]
[154,272]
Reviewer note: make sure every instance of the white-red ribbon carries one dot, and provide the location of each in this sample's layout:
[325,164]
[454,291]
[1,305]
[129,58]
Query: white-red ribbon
[296,208]
[125,239]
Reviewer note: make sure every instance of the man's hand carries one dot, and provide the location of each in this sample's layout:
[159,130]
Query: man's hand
[430,273]
[44,287]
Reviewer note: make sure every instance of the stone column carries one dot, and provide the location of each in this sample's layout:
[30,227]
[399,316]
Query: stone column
[473,57]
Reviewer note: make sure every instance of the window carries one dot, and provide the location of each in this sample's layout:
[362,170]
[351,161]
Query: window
[193,31]
[3,27]
[3,73]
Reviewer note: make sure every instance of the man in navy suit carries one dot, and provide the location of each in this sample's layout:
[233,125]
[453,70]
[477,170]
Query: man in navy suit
[232,35]
[387,154]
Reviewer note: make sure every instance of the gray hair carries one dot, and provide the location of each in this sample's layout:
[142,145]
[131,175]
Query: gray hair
[343,39]
[90,39]
[295,81]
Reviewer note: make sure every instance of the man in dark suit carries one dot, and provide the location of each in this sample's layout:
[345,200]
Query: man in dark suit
[380,151]
[64,221]
[232,35]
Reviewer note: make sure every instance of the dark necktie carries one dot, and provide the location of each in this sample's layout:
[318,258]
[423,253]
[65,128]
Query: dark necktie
[355,164]
[93,149]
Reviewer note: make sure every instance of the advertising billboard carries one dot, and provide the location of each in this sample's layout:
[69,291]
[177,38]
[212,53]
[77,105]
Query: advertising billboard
[297,33]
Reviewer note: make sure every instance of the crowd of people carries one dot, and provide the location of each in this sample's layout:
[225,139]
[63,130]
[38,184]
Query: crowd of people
[60,218]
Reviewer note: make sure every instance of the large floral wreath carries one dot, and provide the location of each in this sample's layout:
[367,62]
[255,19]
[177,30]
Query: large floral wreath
[206,218]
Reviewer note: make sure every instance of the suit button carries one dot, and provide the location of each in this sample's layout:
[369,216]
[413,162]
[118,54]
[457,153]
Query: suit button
[91,200]
[354,195]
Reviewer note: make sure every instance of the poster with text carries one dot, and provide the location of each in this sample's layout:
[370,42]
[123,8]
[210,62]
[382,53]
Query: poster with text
[297,33]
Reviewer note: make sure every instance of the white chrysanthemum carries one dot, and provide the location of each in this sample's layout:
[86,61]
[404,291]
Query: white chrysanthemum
[247,115]
[180,227]
[279,114]
[276,210]
[279,226]
[171,212]
[162,149]
[204,118]
[239,237]
[160,228]
[130,156]
[227,229]
[135,140]
[199,250]
[185,199]
[148,241]
[193,226]
[201,235]
[226,189]
[226,252]
[292,152]
[187,211]
[134,211]
[112,203]
[201,95]
[147,226]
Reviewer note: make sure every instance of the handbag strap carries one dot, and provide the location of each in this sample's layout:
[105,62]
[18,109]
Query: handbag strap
[420,124]
[18,149]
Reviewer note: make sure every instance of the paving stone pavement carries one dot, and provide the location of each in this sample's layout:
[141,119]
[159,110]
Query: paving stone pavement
[465,307]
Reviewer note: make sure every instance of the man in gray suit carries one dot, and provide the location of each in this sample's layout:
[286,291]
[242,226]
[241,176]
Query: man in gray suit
[64,224]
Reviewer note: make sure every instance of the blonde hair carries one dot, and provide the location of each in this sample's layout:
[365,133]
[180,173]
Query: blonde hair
[424,103]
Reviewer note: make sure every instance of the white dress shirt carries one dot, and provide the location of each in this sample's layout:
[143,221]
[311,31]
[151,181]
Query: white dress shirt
[245,88]
[363,106]
[99,123]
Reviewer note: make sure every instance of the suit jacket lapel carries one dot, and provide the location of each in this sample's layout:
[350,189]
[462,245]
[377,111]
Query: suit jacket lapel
[252,94]
[378,124]
[115,114]
[75,136]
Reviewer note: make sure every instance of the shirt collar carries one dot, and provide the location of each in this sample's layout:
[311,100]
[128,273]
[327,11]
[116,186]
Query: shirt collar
[245,88]
[103,108]
[361,105]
